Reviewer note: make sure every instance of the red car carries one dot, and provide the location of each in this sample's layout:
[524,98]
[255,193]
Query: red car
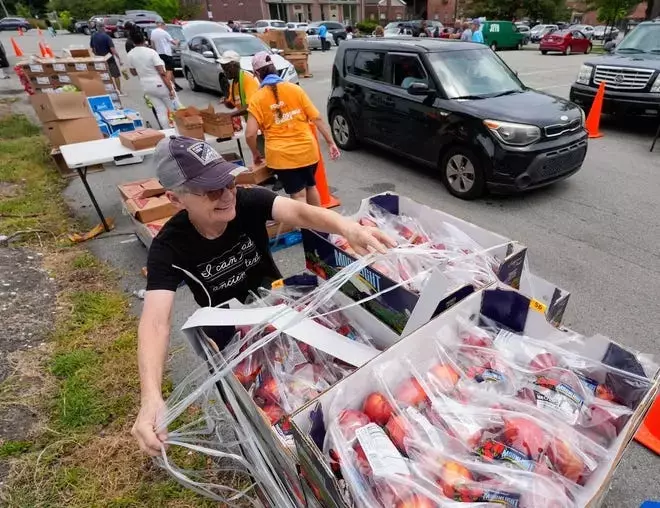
[566,42]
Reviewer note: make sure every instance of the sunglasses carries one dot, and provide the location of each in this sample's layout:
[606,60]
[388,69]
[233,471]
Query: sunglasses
[213,193]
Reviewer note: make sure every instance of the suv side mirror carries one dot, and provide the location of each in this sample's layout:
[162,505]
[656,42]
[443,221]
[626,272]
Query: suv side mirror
[208,54]
[419,88]
[609,46]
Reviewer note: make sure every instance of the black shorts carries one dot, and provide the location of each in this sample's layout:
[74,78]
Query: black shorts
[168,61]
[295,180]
[113,68]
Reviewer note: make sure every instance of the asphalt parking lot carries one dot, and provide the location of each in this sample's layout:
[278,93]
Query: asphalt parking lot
[596,234]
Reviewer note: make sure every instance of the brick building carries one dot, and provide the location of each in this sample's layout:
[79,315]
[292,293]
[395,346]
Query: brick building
[287,10]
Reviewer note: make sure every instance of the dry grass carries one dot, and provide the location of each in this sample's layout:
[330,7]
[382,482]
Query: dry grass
[84,382]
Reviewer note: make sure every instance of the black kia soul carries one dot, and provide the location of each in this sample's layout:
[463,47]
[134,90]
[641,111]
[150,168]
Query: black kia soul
[456,106]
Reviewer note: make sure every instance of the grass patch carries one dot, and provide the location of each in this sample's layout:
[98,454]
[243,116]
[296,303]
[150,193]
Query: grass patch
[13,448]
[88,390]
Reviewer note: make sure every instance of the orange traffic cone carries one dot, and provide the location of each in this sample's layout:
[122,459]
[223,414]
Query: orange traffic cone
[327,199]
[16,47]
[649,432]
[593,120]
[42,50]
[49,52]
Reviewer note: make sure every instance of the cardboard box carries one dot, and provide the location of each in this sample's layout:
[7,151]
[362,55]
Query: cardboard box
[65,171]
[189,123]
[147,232]
[79,52]
[89,82]
[502,304]
[217,124]
[286,40]
[142,139]
[399,308]
[255,175]
[276,229]
[150,209]
[66,132]
[44,81]
[141,189]
[60,106]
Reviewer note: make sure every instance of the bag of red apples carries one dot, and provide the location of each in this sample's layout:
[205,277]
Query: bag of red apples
[285,374]
[492,417]
[462,259]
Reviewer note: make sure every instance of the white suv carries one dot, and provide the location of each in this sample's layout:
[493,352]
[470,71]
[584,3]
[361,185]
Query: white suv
[265,25]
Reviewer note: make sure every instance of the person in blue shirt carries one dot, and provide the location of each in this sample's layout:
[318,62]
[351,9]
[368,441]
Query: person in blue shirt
[102,44]
[323,33]
[477,36]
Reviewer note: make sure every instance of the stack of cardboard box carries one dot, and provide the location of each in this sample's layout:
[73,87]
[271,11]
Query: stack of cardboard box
[293,45]
[148,206]
[66,118]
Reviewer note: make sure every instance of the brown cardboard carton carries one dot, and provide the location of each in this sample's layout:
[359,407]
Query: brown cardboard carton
[79,52]
[140,140]
[276,229]
[155,226]
[89,82]
[141,189]
[254,175]
[217,124]
[60,106]
[286,40]
[189,122]
[65,132]
[151,209]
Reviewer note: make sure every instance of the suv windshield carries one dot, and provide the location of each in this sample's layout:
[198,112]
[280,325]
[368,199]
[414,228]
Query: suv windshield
[643,39]
[175,31]
[474,74]
[244,46]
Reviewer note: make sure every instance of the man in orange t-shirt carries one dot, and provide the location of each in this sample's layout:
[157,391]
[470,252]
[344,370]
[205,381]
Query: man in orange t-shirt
[283,112]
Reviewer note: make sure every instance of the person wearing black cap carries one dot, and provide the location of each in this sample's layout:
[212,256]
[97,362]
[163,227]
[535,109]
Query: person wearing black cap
[218,245]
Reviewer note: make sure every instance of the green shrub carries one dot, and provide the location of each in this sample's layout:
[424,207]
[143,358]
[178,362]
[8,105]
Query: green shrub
[366,27]
[37,23]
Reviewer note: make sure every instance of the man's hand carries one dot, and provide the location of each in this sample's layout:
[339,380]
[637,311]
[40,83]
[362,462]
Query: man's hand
[258,159]
[365,240]
[144,427]
[334,152]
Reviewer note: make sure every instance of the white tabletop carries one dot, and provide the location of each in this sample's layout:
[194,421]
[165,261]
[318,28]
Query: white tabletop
[101,151]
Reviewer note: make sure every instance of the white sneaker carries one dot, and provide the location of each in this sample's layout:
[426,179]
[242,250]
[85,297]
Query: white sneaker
[122,94]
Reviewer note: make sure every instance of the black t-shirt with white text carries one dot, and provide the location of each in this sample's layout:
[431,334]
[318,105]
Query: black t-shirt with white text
[216,270]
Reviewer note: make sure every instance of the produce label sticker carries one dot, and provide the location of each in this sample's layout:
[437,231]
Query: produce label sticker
[43,80]
[558,397]
[81,66]
[36,68]
[494,450]
[430,431]
[99,66]
[59,67]
[504,339]
[510,499]
[490,376]
[64,78]
[534,304]
[382,455]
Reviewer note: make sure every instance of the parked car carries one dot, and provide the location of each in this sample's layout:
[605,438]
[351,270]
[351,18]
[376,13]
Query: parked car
[454,106]
[114,25]
[631,73]
[587,30]
[264,25]
[336,31]
[501,35]
[199,59]
[566,42]
[526,33]
[313,40]
[193,28]
[296,26]
[246,27]
[411,28]
[539,31]
[14,23]
[601,32]
[79,27]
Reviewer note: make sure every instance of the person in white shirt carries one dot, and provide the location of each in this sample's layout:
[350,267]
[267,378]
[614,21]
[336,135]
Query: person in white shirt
[145,63]
[163,42]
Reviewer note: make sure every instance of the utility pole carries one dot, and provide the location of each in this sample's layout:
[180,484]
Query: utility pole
[4,8]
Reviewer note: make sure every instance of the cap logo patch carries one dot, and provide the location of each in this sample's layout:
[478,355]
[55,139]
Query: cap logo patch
[203,152]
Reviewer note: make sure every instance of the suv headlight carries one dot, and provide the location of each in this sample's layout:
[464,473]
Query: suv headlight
[584,75]
[583,117]
[516,134]
[656,85]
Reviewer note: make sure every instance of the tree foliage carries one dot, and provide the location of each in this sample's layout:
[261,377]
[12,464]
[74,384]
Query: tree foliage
[546,10]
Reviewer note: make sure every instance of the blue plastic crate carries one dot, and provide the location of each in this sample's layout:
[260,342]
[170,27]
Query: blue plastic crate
[285,240]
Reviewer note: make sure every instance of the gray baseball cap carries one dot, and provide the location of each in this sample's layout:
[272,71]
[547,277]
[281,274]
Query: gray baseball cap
[180,160]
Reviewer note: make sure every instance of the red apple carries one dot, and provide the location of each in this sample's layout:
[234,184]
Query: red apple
[411,392]
[604,392]
[525,436]
[565,460]
[543,361]
[445,375]
[247,371]
[416,501]
[274,413]
[471,339]
[269,391]
[452,476]
[397,428]
[361,461]
[377,408]
[349,421]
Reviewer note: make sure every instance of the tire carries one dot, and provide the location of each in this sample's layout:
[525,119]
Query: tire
[588,50]
[86,31]
[462,173]
[342,130]
[544,51]
[191,80]
[568,50]
[519,46]
[493,46]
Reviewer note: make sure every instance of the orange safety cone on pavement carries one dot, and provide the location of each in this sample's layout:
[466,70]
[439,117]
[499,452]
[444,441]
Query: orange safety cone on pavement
[593,120]
[649,432]
[42,50]
[49,52]
[17,49]
[327,199]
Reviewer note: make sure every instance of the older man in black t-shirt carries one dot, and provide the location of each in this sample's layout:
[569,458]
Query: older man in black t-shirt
[218,245]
